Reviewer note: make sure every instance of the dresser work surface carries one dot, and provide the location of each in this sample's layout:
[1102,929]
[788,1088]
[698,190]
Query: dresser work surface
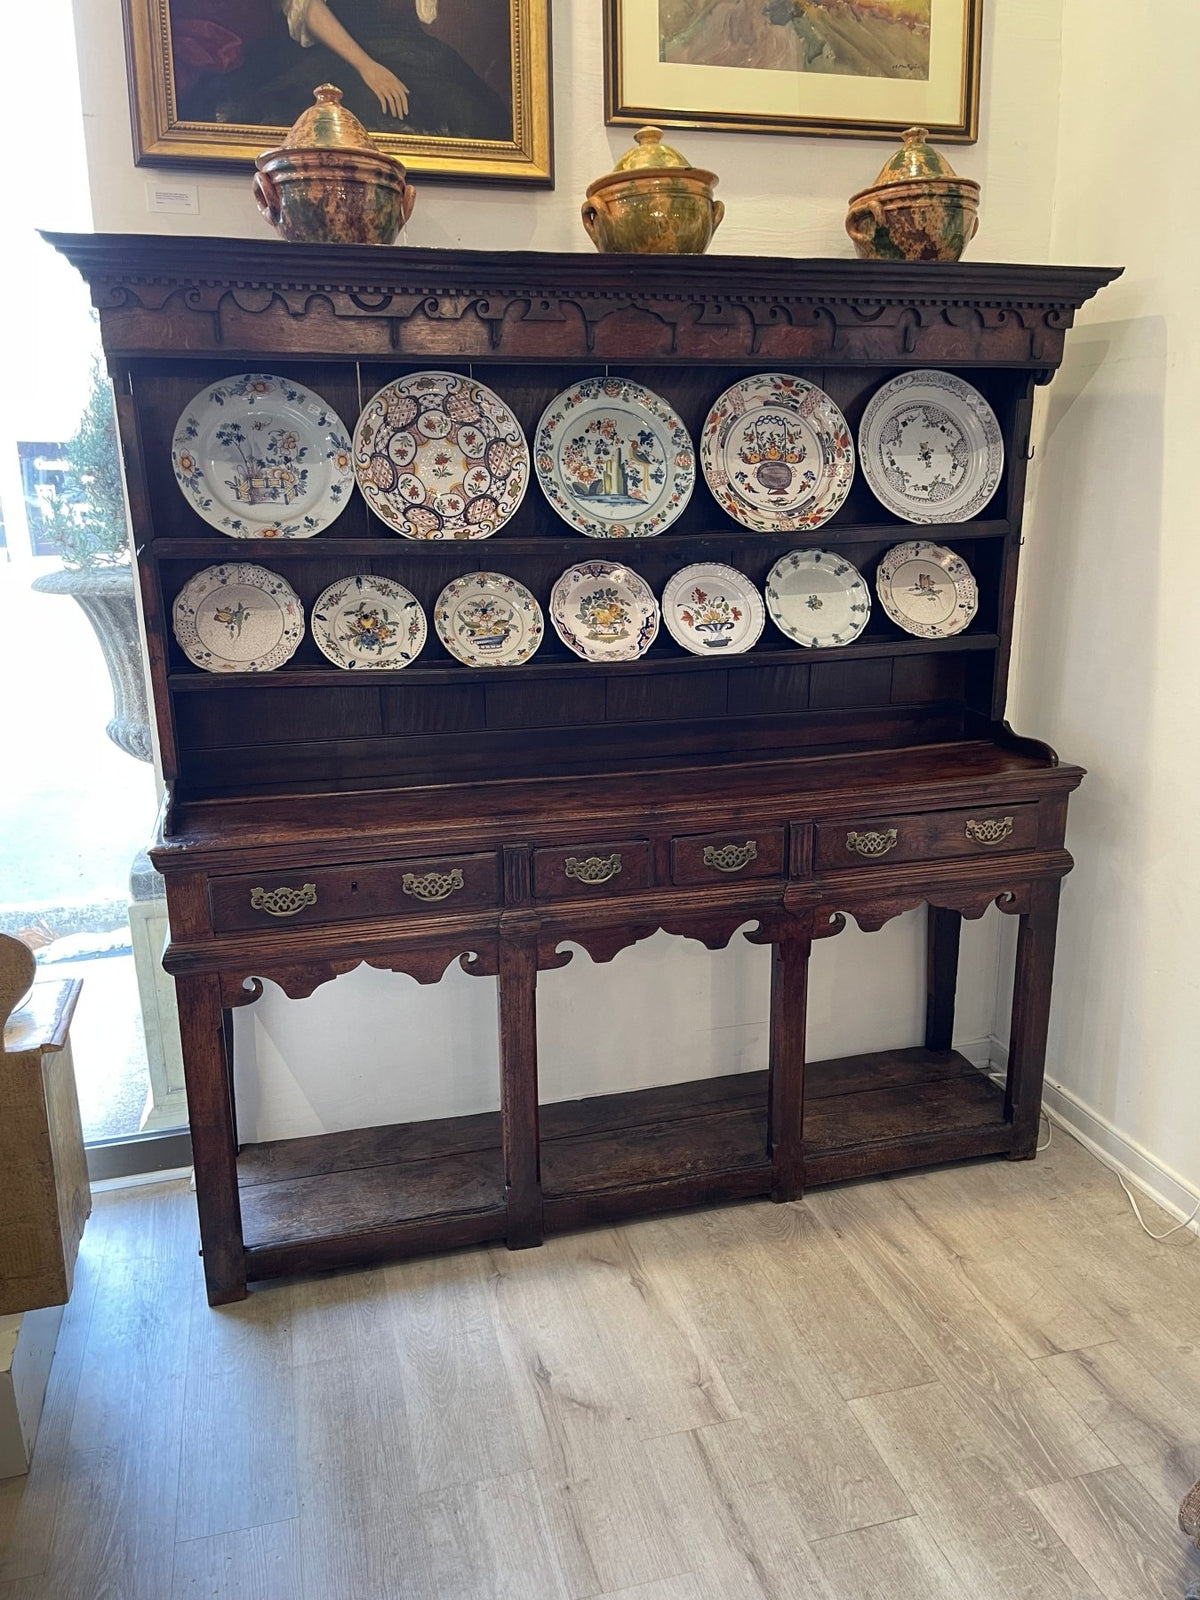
[493,817]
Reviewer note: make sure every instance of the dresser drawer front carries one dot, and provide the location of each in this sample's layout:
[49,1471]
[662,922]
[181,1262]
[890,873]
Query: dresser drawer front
[926,836]
[357,892]
[736,853]
[586,871]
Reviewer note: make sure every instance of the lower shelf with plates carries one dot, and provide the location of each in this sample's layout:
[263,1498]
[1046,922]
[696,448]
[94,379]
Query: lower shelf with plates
[337,1198]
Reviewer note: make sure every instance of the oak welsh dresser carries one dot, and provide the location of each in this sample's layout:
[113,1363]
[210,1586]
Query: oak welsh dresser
[442,814]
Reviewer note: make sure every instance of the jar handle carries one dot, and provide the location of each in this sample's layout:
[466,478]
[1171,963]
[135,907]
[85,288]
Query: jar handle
[718,213]
[590,212]
[266,194]
[864,221]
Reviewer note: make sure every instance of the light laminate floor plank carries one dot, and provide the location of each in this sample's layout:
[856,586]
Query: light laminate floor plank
[1118,1533]
[1036,1435]
[251,1564]
[894,1560]
[993,1537]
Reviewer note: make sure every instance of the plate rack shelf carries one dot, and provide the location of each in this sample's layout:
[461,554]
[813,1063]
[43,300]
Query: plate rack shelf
[318,818]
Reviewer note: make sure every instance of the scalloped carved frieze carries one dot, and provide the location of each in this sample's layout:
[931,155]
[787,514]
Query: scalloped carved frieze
[427,964]
[522,321]
[874,913]
[714,932]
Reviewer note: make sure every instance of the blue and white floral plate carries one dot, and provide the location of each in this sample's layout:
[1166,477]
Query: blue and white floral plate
[614,460]
[439,456]
[604,612]
[931,447]
[259,457]
[777,453]
[818,599]
[711,610]
[926,589]
[368,622]
[238,618]
[488,620]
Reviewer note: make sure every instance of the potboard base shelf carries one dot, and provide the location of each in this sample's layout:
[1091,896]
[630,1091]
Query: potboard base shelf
[342,1199]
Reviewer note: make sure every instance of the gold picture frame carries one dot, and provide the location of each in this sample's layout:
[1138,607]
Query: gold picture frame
[179,53]
[648,80]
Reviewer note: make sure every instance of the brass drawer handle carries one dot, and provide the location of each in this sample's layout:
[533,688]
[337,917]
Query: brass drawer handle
[283,902]
[594,869]
[433,885]
[872,844]
[990,832]
[731,857]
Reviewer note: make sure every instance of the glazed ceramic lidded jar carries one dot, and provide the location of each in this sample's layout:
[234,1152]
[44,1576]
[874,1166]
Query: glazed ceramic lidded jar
[918,209]
[653,203]
[328,182]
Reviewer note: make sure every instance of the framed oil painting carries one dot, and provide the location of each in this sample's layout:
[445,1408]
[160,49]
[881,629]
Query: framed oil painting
[455,88]
[865,68]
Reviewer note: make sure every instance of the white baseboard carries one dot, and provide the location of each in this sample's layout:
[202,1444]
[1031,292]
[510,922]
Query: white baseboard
[1140,1169]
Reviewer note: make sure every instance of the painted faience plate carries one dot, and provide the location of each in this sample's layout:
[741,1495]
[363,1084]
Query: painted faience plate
[818,599]
[368,621]
[488,620]
[926,589]
[713,610]
[439,456]
[614,460]
[931,447]
[261,458]
[777,453]
[604,612]
[238,618]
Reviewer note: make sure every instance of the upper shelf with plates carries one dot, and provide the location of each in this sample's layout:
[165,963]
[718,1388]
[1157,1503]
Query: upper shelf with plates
[822,356]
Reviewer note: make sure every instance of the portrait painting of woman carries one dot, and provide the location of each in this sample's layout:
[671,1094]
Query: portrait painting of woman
[459,87]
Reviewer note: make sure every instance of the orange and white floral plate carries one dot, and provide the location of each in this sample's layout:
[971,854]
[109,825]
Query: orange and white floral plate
[711,610]
[777,453]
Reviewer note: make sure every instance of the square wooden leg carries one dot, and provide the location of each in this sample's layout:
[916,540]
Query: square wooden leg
[214,1138]
[942,933]
[1031,1017]
[517,988]
[789,1007]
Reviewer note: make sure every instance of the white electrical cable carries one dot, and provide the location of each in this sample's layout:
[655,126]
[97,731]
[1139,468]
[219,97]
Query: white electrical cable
[1141,1222]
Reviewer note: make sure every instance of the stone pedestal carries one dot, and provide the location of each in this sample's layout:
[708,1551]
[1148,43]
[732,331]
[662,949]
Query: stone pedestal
[167,1104]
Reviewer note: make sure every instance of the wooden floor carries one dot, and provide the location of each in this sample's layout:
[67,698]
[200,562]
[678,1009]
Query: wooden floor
[981,1382]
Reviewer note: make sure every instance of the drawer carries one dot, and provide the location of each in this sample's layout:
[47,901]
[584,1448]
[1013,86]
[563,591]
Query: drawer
[714,857]
[571,872]
[926,836]
[358,891]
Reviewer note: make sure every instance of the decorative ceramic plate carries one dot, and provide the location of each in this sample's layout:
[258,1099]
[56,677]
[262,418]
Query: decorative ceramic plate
[709,608]
[488,620]
[777,453]
[438,456]
[238,618]
[926,589]
[931,447]
[818,599]
[368,621]
[604,612]
[261,458]
[614,460]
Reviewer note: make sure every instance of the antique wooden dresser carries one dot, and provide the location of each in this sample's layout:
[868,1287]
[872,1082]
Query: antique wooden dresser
[316,819]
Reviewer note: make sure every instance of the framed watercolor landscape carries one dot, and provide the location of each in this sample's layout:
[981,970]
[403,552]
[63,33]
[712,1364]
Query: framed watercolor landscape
[455,88]
[860,68]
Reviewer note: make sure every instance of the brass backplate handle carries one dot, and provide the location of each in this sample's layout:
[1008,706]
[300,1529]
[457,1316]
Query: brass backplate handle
[433,885]
[992,831]
[872,844]
[730,857]
[283,902]
[593,869]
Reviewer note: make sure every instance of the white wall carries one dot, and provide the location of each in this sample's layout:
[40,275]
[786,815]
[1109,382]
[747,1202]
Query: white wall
[1107,667]
[668,1009]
